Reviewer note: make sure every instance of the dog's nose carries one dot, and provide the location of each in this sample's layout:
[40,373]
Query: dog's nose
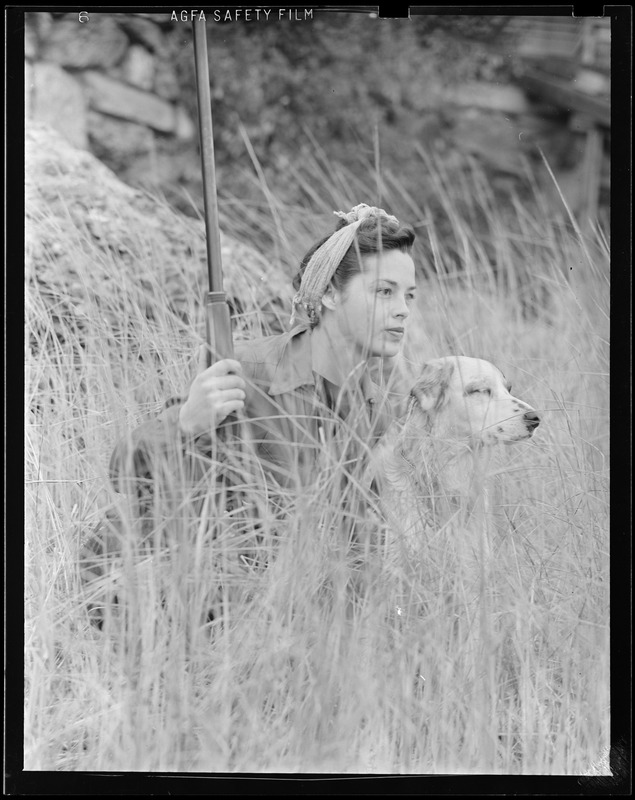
[532,419]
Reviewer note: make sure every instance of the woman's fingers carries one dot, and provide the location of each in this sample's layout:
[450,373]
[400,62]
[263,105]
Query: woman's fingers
[225,374]
[227,407]
[231,394]
[226,366]
[223,367]
[216,391]
[215,383]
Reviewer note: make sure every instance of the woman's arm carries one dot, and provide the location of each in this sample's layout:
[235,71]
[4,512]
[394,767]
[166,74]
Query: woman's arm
[216,392]
[157,447]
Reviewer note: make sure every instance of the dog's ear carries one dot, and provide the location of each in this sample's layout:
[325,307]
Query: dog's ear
[430,390]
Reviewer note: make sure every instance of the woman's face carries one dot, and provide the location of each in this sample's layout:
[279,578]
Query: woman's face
[371,312]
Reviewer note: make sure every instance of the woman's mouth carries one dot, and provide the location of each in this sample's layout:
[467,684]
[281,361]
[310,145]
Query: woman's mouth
[396,332]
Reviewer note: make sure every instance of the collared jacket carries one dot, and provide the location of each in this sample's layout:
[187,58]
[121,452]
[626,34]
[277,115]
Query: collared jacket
[291,422]
[305,457]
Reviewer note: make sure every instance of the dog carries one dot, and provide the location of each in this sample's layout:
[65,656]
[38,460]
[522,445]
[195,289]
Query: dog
[432,463]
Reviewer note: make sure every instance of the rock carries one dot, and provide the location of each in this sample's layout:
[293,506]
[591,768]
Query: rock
[38,24]
[29,87]
[162,170]
[166,84]
[88,233]
[138,67]
[117,141]
[126,102]
[185,129]
[142,31]
[490,137]
[100,42]
[30,43]
[56,99]
[489,96]
[424,94]
[592,82]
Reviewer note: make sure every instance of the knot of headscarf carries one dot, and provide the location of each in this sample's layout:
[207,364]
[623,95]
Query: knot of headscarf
[325,260]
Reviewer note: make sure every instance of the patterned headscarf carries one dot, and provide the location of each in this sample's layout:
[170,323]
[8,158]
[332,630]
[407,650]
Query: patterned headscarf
[326,259]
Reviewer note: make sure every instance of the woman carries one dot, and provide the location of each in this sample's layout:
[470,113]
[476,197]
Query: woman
[306,389]
[293,415]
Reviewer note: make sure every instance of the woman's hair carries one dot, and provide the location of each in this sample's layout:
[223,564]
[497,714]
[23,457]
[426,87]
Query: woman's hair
[374,235]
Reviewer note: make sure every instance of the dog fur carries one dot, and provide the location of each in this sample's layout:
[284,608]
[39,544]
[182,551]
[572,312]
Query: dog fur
[433,463]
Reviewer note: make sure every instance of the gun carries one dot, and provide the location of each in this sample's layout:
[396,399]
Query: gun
[218,323]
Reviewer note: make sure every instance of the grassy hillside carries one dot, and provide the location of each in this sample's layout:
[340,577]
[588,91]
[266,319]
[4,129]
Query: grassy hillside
[433,670]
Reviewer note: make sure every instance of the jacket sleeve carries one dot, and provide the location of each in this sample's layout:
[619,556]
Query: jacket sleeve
[157,453]
[159,449]
[132,454]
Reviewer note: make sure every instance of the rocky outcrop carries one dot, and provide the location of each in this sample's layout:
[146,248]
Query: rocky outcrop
[122,86]
[92,241]
[108,85]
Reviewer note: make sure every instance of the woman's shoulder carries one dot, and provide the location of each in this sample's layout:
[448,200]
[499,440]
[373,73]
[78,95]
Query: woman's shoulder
[280,362]
[256,350]
[271,349]
[259,357]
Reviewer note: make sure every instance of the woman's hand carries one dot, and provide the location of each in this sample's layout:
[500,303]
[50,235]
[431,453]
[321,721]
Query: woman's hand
[215,393]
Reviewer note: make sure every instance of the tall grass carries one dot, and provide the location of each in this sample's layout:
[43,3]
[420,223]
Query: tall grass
[317,657]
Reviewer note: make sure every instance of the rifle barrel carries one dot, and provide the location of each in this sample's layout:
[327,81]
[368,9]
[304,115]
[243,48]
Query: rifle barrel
[214,262]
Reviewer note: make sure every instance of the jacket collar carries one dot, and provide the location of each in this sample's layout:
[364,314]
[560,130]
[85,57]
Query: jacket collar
[294,368]
[294,365]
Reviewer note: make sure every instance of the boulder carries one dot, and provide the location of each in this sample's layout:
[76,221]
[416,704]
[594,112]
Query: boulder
[117,141]
[98,43]
[87,232]
[138,67]
[184,128]
[29,86]
[166,84]
[143,31]
[126,102]
[593,82]
[487,96]
[30,43]
[492,138]
[55,98]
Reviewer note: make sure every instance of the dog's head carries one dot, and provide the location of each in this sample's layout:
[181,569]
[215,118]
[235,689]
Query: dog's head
[469,398]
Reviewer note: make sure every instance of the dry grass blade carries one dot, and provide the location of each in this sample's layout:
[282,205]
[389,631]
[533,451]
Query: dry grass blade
[241,641]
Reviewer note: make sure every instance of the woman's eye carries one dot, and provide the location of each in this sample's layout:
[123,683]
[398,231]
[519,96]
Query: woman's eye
[480,391]
[385,291]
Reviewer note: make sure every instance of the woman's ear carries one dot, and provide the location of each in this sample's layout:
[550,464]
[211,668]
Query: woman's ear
[329,298]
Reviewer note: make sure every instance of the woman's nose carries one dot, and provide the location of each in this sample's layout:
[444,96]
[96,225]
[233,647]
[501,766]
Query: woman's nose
[401,309]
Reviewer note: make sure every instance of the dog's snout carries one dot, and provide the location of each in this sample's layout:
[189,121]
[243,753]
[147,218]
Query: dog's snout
[532,419]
